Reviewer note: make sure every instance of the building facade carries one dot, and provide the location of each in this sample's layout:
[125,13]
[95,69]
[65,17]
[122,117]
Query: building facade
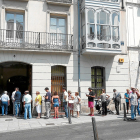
[39,46]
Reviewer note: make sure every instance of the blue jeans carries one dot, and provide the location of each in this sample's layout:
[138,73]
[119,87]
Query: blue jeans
[138,108]
[27,109]
[17,108]
[133,111]
[65,108]
[4,106]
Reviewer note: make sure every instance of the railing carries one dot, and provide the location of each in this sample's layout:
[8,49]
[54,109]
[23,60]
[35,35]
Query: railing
[35,40]
[61,1]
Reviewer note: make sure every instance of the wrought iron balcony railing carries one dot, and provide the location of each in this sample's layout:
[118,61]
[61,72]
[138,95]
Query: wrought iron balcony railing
[61,1]
[14,39]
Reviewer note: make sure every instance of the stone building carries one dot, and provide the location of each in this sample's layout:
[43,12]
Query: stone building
[39,46]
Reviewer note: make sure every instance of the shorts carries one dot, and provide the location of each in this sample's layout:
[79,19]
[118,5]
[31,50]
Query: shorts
[90,104]
[38,108]
[55,105]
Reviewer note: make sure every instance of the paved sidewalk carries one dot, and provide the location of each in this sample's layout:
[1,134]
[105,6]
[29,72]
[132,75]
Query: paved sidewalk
[8,124]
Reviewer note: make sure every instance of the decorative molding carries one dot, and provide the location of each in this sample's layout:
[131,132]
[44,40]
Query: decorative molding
[132,4]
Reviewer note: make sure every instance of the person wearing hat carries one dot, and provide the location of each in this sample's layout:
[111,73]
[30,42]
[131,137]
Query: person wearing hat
[91,97]
[65,100]
[117,100]
[5,102]
[47,102]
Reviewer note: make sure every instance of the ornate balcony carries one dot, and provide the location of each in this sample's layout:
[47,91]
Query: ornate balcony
[25,40]
[62,2]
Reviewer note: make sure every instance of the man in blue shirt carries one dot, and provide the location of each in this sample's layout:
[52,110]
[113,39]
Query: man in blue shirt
[126,96]
[17,102]
[47,102]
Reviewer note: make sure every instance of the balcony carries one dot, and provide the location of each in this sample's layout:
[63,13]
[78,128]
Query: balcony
[39,41]
[61,2]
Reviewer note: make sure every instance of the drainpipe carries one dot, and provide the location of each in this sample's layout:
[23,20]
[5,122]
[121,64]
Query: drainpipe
[79,48]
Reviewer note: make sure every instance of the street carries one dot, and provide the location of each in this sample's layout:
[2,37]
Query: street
[108,130]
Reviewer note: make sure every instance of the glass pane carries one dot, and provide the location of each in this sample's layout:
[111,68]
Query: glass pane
[91,44]
[53,29]
[92,71]
[19,26]
[99,92]
[116,46]
[90,16]
[103,45]
[53,21]
[93,85]
[83,30]
[10,25]
[99,72]
[103,32]
[61,22]
[107,18]
[19,18]
[103,17]
[98,18]
[115,34]
[91,29]
[115,19]
[61,30]
[10,17]
[83,17]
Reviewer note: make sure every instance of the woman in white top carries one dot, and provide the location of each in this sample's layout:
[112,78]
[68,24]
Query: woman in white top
[77,101]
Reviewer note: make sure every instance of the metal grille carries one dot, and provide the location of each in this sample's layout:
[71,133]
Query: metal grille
[58,80]
[98,80]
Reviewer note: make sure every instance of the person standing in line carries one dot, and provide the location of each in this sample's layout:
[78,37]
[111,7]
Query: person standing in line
[55,102]
[70,105]
[5,102]
[77,101]
[133,103]
[47,102]
[117,100]
[65,100]
[38,101]
[27,104]
[91,97]
[104,97]
[17,102]
[13,101]
[137,92]
[126,96]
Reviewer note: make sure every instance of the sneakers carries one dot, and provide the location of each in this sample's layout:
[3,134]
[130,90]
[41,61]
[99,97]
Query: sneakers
[89,114]
[54,117]
[92,115]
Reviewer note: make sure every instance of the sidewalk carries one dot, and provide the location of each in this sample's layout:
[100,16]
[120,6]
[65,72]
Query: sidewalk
[8,124]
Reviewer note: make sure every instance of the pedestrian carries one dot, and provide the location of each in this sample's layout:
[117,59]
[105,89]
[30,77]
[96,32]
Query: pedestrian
[55,102]
[91,97]
[27,104]
[77,101]
[38,104]
[71,103]
[13,101]
[65,101]
[126,97]
[47,102]
[17,98]
[117,100]
[23,110]
[133,103]
[104,97]
[5,102]
[138,107]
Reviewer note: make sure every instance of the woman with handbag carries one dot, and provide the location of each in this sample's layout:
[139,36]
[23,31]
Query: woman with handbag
[38,100]
[77,101]
[70,104]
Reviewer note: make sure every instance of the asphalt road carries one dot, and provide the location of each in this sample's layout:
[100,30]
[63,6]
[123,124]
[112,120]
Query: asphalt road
[109,130]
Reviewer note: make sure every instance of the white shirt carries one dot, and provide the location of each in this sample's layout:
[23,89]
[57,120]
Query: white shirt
[65,94]
[27,98]
[4,98]
[13,95]
[133,98]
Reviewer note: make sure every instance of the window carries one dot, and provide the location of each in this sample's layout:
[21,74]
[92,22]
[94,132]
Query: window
[91,24]
[83,29]
[14,22]
[103,26]
[103,45]
[98,79]
[57,31]
[115,27]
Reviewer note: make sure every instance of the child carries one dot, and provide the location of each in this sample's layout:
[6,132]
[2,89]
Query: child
[77,101]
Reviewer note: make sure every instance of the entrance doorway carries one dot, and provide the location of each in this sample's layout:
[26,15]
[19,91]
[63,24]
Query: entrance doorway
[15,74]
[58,80]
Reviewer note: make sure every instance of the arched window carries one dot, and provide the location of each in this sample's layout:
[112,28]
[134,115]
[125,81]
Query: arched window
[91,24]
[115,27]
[98,79]
[103,26]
